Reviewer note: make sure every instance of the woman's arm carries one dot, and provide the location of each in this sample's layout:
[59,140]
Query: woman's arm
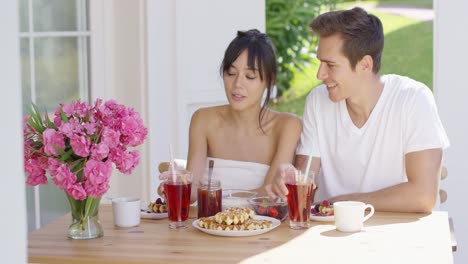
[198,148]
[289,131]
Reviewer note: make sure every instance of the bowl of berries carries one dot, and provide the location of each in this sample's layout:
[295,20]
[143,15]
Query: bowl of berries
[268,207]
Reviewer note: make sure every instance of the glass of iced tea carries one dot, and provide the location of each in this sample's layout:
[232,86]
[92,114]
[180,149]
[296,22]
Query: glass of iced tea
[209,195]
[178,186]
[300,193]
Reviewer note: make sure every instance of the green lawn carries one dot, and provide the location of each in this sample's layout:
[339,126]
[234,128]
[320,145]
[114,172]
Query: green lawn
[411,3]
[408,51]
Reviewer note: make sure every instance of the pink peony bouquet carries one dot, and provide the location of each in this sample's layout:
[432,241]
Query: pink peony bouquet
[80,145]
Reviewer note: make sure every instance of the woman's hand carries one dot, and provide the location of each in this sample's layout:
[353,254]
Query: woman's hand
[162,191]
[161,188]
[278,187]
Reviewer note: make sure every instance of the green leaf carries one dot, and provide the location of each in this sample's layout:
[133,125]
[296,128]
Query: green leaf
[49,123]
[63,116]
[33,124]
[66,155]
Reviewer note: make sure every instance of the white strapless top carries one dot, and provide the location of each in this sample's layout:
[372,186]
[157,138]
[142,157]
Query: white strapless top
[235,174]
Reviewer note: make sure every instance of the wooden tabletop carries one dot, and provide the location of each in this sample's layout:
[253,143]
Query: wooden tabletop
[387,238]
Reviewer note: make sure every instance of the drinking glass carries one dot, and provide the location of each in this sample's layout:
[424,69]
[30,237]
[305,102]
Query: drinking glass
[178,186]
[300,192]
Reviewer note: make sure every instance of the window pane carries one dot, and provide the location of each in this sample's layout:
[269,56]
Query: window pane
[55,15]
[23,15]
[57,78]
[25,74]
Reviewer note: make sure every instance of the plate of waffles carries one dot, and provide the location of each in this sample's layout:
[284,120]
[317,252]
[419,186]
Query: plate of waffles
[322,218]
[258,224]
[147,214]
[156,210]
[322,212]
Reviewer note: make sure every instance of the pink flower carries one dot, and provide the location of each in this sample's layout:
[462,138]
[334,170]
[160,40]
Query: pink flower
[133,130]
[97,190]
[80,145]
[127,161]
[80,109]
[77,192]
[52,139]
[70,128]
[90,128]
[64,178]
[99,151]
[57,116]
[110,137]
[68,109]
[97,172]
[36,174]
[36,180]
[28,149]
[54,164]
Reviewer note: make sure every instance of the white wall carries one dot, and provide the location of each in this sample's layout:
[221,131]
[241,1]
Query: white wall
[118,46]
[451,92]
[186,43]
[12,190]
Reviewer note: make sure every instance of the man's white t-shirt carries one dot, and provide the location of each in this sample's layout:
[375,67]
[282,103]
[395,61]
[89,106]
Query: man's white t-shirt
[404,120]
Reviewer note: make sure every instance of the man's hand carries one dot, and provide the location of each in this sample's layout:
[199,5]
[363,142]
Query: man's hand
[278,188]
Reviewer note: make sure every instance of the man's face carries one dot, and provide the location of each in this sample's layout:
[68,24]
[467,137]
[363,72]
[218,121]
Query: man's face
[335,69]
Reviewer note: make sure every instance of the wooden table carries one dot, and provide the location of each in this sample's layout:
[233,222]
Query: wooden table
[388,238]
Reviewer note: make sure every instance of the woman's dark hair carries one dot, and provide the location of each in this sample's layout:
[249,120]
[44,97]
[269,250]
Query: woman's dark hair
[362,33]
[261,53]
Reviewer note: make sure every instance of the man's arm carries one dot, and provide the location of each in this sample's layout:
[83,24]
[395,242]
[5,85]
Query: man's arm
[285,170]
[418,195]
[300,162]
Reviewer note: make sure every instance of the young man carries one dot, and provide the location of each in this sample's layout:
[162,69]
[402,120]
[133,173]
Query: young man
[375,139]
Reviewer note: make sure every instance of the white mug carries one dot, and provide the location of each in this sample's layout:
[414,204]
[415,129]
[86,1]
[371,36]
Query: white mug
[349,215]
[126,211]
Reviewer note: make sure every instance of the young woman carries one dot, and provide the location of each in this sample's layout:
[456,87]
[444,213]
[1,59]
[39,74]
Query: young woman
[245,138]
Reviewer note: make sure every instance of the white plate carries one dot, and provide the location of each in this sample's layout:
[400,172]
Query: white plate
[146,215]
[275,223]
[320,218]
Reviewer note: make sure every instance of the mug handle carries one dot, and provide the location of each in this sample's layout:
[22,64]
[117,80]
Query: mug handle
[370,213]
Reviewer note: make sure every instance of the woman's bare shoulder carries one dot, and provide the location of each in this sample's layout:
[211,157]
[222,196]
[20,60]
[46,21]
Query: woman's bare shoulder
[208,115]
[284,118]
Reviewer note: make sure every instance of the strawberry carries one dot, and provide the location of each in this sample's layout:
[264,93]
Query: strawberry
[313,210]
[158,201]
[262,210]
[273,212]
[325,203]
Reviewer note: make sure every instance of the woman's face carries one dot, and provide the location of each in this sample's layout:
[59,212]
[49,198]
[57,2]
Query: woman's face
[243,86]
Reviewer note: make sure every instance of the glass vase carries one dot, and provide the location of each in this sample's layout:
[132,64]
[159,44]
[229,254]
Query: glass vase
[85,219]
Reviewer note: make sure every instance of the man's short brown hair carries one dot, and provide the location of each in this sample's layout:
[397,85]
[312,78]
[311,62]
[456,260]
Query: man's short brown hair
[362,34]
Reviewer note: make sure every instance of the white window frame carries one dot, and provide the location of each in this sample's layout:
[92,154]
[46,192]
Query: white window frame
[100,57]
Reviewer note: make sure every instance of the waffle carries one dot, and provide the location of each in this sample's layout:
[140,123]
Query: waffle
[326,210]
[234,215]
[233,219]
[251,224]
